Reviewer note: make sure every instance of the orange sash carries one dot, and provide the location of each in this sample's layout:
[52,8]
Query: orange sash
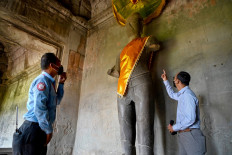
[128,59]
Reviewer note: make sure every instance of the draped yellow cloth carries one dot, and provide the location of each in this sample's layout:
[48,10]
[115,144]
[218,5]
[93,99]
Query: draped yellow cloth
[128,59]
[148,9]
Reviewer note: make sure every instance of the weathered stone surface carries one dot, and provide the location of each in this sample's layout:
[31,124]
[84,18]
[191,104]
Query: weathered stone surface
[15,94]
[97,115]
[81,63]
[99,6]
[78,7]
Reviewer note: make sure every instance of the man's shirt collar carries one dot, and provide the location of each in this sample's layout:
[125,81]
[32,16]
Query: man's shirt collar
[183,89]
[49,76]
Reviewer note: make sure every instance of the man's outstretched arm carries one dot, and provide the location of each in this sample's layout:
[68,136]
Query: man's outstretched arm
[169,89]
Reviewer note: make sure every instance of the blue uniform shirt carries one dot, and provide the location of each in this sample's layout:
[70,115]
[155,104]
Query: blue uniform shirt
[188,113]
[42,101]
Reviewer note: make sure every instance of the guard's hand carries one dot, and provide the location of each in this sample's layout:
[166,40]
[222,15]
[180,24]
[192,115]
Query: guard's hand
[170,128]
[164,76]
[49,137]
[63,77]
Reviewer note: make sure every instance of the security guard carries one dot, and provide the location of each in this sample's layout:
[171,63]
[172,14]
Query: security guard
[36,131]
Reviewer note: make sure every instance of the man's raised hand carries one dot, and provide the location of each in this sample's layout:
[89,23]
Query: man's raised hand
[164,76]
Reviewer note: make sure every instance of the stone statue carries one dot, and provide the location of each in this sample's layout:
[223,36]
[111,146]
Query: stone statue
[135,95]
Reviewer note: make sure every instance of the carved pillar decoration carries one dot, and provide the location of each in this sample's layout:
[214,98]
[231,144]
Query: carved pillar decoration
[148,9]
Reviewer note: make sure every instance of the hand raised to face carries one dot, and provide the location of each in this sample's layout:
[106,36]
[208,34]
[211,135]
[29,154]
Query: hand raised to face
[63,77]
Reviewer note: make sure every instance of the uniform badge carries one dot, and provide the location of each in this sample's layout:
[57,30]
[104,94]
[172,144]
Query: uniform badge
[41,86]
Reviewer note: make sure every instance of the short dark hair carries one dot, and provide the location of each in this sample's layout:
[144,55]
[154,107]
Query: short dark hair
[46,59]
[184,77]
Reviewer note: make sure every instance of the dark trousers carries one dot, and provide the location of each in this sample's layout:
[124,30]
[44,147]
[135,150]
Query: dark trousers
[136,107]
[29,140]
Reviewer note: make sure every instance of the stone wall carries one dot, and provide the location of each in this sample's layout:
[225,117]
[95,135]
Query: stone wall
[97,125]
[50,25]
[195,36]
[98,6]
[15,95]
